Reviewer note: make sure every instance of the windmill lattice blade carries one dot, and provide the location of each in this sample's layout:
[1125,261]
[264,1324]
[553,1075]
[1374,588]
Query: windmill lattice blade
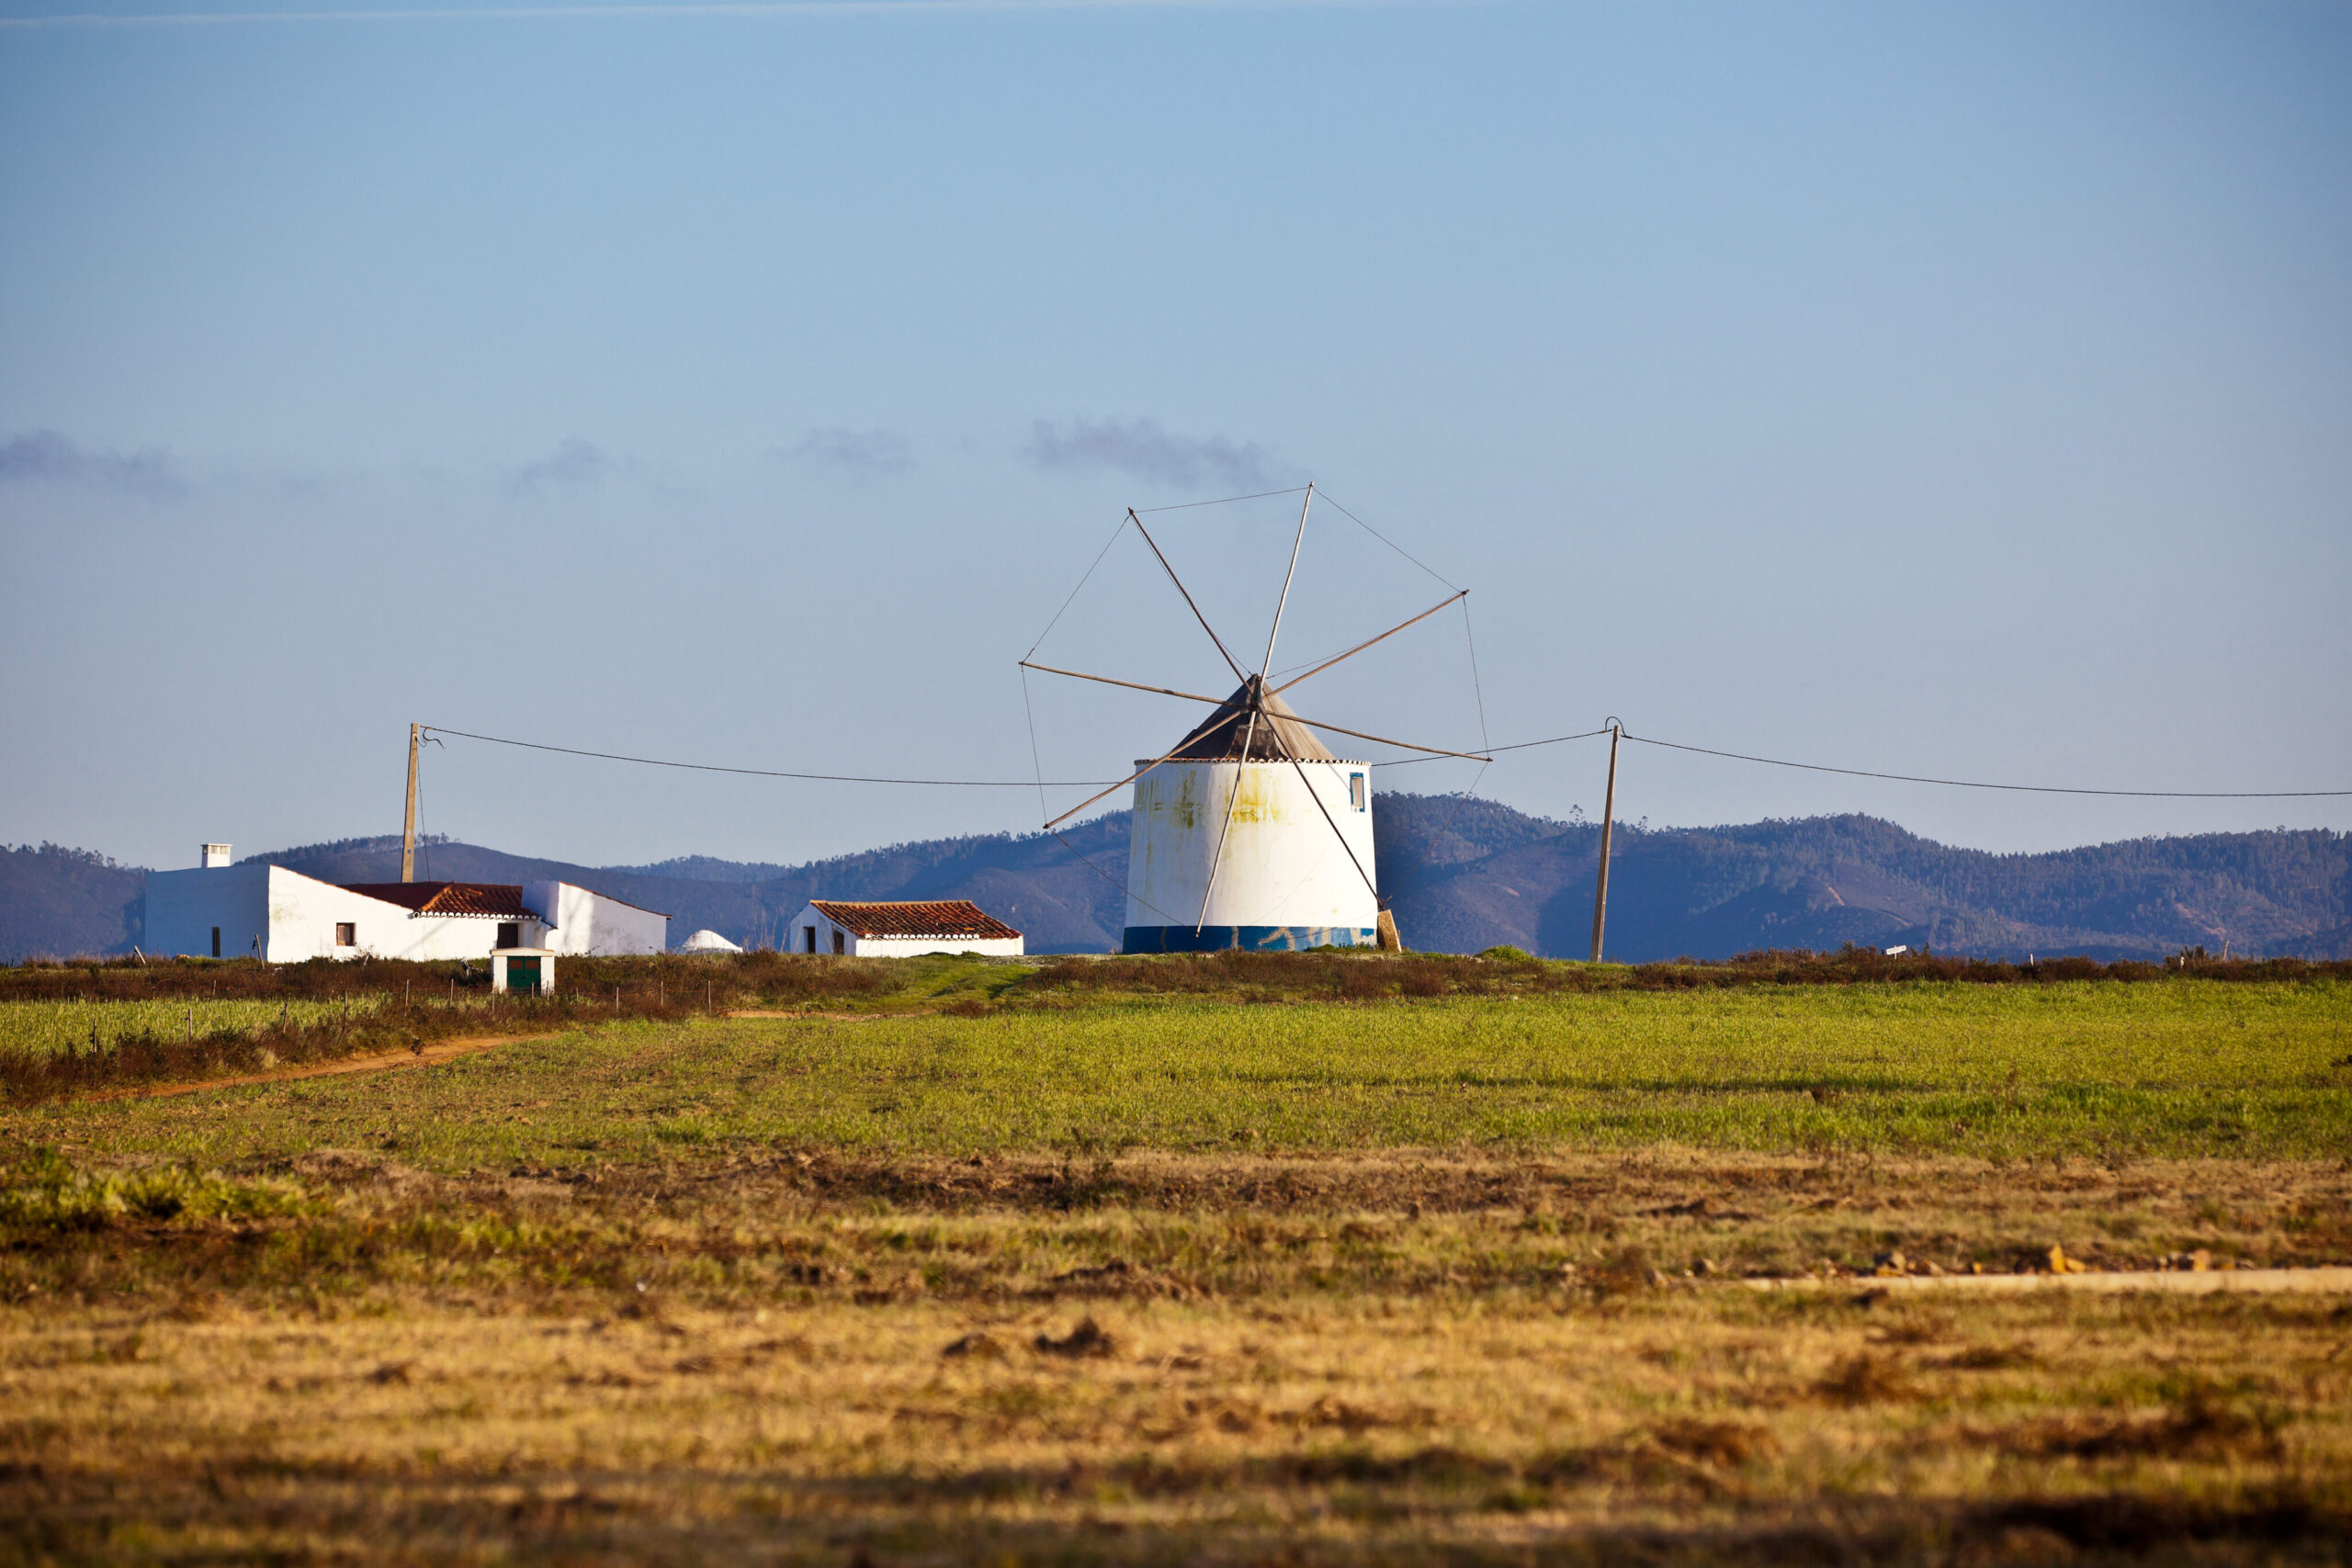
[1359,647]
[1385,740]
[1280,604]
[1187,593]
[1131,685]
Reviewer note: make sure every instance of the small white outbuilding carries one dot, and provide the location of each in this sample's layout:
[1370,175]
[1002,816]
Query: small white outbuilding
[707,941]
[902,930]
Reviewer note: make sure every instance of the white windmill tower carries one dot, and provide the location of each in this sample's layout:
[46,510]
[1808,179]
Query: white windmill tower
[1250,833]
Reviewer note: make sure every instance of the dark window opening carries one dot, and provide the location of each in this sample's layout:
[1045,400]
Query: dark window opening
[839,945]
[1355,791]
[216,942]
[509,933]
[809,933]
[346,933]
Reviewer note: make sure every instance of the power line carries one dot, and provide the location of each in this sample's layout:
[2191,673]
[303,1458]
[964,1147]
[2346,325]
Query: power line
[1409,761]
[1974,783]
[1520,746]
[772,772]
[1555,741]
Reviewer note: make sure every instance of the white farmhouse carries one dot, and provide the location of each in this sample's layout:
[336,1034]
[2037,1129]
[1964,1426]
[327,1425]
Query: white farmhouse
[221,910]
[904,930]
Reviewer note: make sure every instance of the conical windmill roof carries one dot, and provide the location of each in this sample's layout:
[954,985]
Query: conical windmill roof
[1281,735]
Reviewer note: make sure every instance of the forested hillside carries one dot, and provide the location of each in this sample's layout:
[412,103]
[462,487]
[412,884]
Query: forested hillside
[1461,876]
[55,900]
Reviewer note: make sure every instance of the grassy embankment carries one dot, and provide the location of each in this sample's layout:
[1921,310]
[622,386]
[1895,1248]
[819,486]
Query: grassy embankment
[1102,1273]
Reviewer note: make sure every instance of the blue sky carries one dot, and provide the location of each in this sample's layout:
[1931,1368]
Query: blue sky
[1957,391]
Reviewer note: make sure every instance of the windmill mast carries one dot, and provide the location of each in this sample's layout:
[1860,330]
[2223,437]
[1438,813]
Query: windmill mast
[1267,667]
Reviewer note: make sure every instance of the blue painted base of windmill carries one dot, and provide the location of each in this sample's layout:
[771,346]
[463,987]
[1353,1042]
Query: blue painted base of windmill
[1251,939]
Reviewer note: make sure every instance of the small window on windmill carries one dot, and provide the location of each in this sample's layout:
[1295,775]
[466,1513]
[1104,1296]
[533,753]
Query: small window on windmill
[1355,791]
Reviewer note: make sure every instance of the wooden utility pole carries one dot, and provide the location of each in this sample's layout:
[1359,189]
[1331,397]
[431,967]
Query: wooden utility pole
[1608,819]
[408,822]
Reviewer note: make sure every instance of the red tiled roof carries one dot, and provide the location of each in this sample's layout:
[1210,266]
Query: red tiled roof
[938,917]
[494,900]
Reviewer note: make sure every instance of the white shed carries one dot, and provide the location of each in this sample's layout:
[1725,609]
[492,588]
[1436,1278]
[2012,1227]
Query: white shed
[902,930]
[221,910]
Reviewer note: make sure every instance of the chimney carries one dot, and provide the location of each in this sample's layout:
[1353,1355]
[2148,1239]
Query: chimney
[213,856]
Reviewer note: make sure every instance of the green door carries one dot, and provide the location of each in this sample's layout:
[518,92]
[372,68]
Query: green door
[523,974]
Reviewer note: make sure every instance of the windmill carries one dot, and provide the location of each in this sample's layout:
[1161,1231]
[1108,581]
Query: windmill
[1249,832]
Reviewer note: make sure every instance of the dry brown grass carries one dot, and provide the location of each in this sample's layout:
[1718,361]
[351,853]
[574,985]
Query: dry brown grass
[1404,1357]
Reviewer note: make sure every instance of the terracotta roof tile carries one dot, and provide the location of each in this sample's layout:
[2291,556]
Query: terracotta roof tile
[491,900]
[934,918]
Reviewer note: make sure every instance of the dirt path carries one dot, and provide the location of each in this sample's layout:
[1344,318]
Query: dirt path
[2330,1279]
[835,1016]
[434,1053]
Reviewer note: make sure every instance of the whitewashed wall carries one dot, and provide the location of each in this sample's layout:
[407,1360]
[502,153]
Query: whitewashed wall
[296,917]
[915,947]
[303,913]
[579,920]
[1286,873]
[183,906]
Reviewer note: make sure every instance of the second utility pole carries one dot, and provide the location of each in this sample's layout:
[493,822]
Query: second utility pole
[1607,817]
[408,822]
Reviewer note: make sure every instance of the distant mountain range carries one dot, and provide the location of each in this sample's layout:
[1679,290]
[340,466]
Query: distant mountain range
[1461,876]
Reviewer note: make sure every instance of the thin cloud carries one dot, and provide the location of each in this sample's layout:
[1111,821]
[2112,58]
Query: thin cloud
[864,454]
[45,457]
[574,465]
[577,465]
[1141,447]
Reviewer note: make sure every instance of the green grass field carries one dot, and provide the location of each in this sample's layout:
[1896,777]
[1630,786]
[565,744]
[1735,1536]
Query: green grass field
[2181,1068]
